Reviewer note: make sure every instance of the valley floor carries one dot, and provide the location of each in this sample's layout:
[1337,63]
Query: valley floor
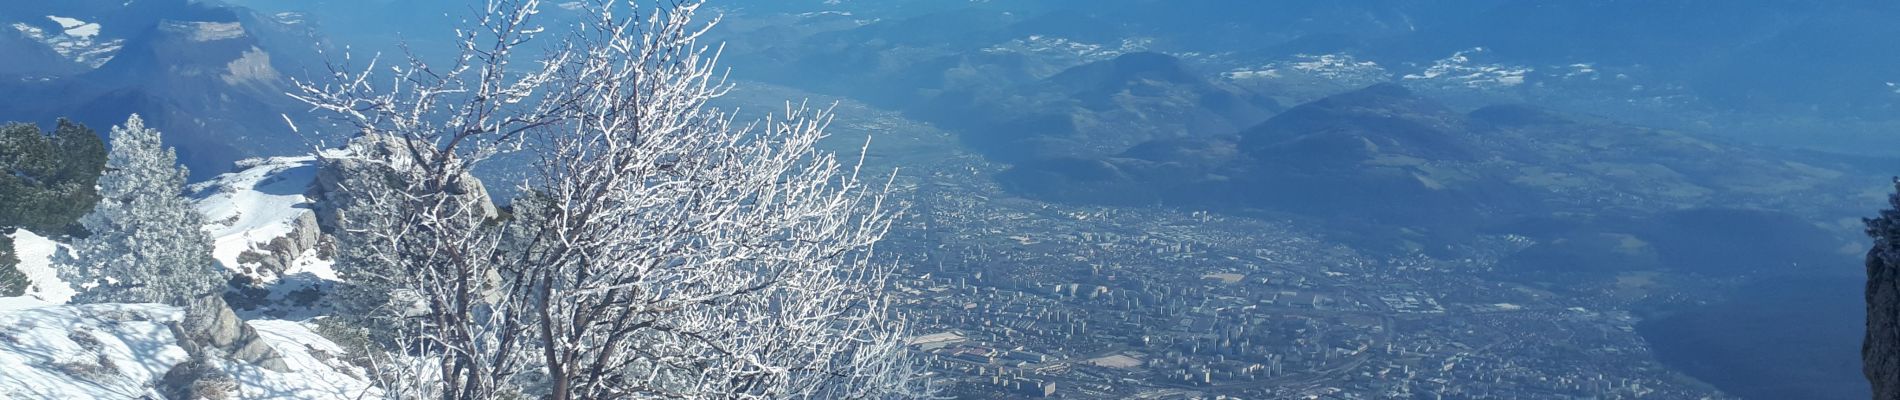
[1021,297]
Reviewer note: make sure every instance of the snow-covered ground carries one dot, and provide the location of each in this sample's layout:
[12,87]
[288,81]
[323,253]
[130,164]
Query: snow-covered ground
[120,351]
[247,209]
[244,210]
[51,350]
[317,367]
[36,261]
[262,202]
[99,351]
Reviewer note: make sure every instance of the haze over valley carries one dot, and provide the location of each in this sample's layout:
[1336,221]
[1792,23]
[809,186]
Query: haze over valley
[1152,199]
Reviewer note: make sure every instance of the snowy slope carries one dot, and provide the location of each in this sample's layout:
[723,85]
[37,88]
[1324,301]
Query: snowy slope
[76,40]
[318,371]
[100,351]
[119,351]
[244,210]
[36,261]
[49,350]
[247,209]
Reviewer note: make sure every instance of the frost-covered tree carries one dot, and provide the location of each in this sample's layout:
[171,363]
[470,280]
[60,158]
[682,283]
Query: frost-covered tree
[661,251]
[356,183]
[147,243]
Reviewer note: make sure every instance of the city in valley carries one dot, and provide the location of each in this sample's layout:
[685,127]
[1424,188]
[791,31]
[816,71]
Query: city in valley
[1014,298]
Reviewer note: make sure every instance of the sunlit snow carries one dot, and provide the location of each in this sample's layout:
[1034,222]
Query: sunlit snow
[36,254]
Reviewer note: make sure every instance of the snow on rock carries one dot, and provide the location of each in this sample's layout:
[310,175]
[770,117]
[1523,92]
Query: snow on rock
[1581,71]
[121,351]
[204,31]
[257,216]
[1341,68]
[75,28]
[1064,51]
[96,351]
[1460,70]
[36,261]
[316,365]
[77,40]
[262,210]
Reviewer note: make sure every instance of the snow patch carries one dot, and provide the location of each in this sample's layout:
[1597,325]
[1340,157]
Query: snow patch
[76,40]
[36,261]
[120,351]
[1460,70]
[201,31]
[96,351]
[1582,71]
[75,28]
[289,18]
[1339,67]
[317,369]
[247,209]
[1051,46]
[824,13]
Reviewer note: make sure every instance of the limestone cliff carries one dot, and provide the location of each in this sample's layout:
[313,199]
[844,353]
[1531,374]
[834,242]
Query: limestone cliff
[1880,351]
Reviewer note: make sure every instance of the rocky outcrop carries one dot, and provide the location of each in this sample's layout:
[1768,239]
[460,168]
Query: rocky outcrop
[212,330]
[277,256]
[341,175]
[198,378]
[1880,350]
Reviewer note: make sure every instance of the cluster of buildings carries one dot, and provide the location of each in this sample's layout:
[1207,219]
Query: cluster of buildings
[1014,298]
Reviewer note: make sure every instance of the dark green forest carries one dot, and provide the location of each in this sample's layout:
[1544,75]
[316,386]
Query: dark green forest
[48,185]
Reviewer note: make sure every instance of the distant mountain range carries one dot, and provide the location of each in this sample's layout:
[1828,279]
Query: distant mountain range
[1386,160]
[1094,109]
[1677,63]
[212,78]
[1018,67]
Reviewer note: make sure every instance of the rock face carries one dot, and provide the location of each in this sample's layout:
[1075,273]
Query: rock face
[277,256]
[1880,351]
[261,216]
[342,173]
[198,378]
[211,329]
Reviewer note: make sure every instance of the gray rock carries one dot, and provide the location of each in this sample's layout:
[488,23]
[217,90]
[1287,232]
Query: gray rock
[277,256]
[375,157]
[197,378]
[211,327]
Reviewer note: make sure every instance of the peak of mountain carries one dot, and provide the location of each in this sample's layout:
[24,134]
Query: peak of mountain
[1127,69]
[212,77]
[30,59]
[187,55]
[1381,120]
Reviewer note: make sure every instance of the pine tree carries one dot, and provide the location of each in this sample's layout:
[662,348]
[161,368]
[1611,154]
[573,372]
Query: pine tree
[12,281]
[148,243]
[46,184]
[48,180]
